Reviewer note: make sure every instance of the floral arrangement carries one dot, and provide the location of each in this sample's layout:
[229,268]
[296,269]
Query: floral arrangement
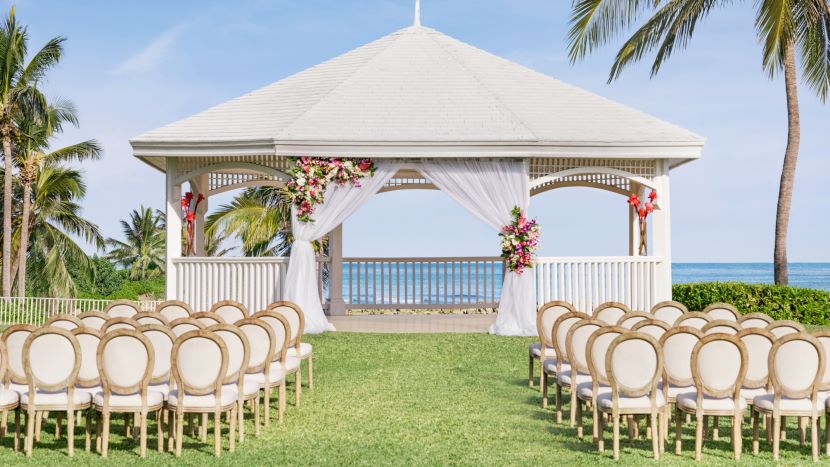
[189,214]
[643,209]
[519,240]
[311,176]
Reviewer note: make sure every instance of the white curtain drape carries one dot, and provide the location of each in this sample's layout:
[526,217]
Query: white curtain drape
[340,203]
[490,189]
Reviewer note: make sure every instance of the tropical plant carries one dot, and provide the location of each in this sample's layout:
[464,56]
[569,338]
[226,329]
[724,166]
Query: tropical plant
[18,91]
[142,252]
[215,243]
[784,28]
[260,217]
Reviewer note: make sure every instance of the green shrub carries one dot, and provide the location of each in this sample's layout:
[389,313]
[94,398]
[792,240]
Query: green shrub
[807,306]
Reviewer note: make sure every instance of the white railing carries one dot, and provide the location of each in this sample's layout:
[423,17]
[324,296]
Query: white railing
[36,310]
[589,281]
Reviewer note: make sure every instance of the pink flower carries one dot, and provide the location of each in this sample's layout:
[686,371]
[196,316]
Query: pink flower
[653,195]
[649,207]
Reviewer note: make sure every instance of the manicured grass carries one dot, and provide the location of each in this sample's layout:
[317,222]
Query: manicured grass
[424,399]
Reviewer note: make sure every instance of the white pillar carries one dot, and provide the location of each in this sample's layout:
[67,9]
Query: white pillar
[336,304]
[661,231]
[199,185]
[174,226]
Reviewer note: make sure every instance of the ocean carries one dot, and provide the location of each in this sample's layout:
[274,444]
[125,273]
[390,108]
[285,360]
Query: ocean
[810,275]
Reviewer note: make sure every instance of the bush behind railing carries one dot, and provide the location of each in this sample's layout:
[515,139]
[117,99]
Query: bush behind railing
[807,306]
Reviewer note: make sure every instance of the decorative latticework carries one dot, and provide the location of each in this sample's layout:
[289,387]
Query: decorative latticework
[220,180]
[540,167]
[190,164]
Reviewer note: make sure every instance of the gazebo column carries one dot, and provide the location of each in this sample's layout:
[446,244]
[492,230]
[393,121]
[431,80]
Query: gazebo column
[174,226]
[336,304]
[199,185]
[634,224]
[661,232]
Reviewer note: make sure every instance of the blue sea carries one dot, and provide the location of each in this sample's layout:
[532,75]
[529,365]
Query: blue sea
[810,275]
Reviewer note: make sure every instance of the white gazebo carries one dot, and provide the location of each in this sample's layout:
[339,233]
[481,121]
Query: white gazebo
[432,112]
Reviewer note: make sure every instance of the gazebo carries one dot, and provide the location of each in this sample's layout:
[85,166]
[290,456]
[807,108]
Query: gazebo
[432,113]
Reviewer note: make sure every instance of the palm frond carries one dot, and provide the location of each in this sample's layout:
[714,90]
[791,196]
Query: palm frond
[596,22]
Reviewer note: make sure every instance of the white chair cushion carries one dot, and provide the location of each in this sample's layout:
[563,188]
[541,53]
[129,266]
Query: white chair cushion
[163,388]
[91,390]
[19,388]
[550,366]
[56,398]
[154,399]
[585,390]
[249,387]
[688,400]
[751,394]
[765,402]
[675,390]
[276,375]
[227,397]
[305,350]
[630,403]
[291,365]
[8,397]
[564,379]
[535,349]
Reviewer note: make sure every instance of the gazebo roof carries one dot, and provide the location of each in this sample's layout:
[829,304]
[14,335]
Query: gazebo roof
[420,93]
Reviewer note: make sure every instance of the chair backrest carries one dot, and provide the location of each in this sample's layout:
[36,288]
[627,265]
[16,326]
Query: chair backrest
[758,342]
[282,332]
[597,348]
[64,321]
[238,350]
[653,327]
[14,337]
[721,326]
[546,316]
[631,318]
[162,339]
[184,325]
[722,311]
[122,309]
[824,339]
[295,317]
[610,312]
[93,319]
[51,360]
[207,318]
[719,363]
[174,309]
[796,366]
[200,363]
[755,320]
[125,361]
[678,344]
[261,340]
[785,327]
[151,317]
[693,319]
[669,311]
[576,343]
[634,363]
[559,334]
[230,310]
[114,324]
[88,340]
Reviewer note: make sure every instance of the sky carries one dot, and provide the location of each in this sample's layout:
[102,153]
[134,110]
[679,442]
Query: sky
[130,67]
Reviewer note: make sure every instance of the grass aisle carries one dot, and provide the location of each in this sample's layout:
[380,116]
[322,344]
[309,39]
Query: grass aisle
[426,399]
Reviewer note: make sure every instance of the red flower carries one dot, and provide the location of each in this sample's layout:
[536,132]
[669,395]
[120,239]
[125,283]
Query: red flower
[633,200]
[185,203]
[191,216]
[364,165]
[642,213]
[652,196]
[649,207]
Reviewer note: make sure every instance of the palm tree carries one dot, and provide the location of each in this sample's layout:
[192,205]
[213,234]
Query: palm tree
[214,243]
[143,250]
[18,91]
[32,154]
[260,217]
[784,28]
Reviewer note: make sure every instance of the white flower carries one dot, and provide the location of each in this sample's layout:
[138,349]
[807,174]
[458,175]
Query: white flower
[300,181]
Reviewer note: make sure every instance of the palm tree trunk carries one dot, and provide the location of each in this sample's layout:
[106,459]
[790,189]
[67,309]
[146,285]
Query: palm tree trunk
[24,239]
[7,211]
[785,190]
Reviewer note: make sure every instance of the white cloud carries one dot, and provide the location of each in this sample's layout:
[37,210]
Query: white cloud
[151,56]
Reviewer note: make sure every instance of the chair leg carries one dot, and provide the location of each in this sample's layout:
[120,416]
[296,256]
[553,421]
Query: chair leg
[543,385]
[88,430]
[17,429]
[558,403]
[530,370]
[298,386]
[572,421]
[616,436]
[715,427]
[655,439]
[267,403]
[310,370]
[776,435]
[232,428]
[143,435]
[70,431]
[600,424]
[663,421]
[737,441]
[170,420]
[4,424]
[595,421]
[802,430]
[282,401]
[827,434]
[699,436]
[38,425]
[783,428]
[106,433]
[579,418]
[241,420]
[179,433]
[256,416]
[755,417]
[814,438]
[99,431]
[31,421]
[217,433]
[705,426]
[58,423]
[678,428]
[160,416]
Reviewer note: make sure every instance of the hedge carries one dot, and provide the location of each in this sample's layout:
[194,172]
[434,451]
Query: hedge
[807,306]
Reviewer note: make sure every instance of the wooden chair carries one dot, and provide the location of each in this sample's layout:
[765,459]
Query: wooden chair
[634,363]
[174,309]
[543,349]
[93,319]
[288,365]
[678,344]
[653,327]
[559,336]
[785,327]
[207,318]
[200,363]
[262,342]
[114,324]
[823,337]
[693,319]
[125,362]
[14,378]
[238,347]
[755,320]
[9,399]
[230,310]
[719,364]
[595,351]
[631,318]
[796,364]
[669,311]
[722,326]
[576,342]
[296,348]
[610,312]
[725,311]
[151,317]
[64,321]
[162,339]
[183,325]
[122,309]
[89,380]
[758,342]
[52,360]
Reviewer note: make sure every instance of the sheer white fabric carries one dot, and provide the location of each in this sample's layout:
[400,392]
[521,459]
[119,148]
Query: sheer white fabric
[340,203]
[490,189]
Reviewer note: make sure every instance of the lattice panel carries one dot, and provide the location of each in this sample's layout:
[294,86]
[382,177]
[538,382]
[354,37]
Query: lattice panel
[189,164]
[611,181]
[640,167]
[220,180]
[406,181]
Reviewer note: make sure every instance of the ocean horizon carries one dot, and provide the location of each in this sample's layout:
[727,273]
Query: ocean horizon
[808,275]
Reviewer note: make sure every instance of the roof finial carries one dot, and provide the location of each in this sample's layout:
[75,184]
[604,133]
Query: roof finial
[417,13]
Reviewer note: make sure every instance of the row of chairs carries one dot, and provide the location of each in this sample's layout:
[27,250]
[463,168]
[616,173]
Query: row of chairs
[714,363]
[125,361]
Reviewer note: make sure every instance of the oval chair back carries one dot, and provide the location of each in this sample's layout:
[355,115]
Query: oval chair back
[546,317]
[559,335]
[823,338]
[785,327]
[722,326]
[114,324]
[719,365]
[722,311]
[758,343]
[755,320]
[64,321]
[796,367]
[238,352]
[88,340]
[296,320]
[14,337]
[174,309]
[162,339]
[610,312]
[634,363]
[93,319]
[184,325]
[653,327]
[261,340]
[125,361]
[597,349]
[282,332]
[199,364]
[693,319]
[151,317]
[576,344]
[122,309]
[230,310]
[678,343]
[51,360]
[630,319]
[207,318]
[669,311]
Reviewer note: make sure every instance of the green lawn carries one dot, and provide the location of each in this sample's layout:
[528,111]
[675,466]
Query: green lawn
[412,399]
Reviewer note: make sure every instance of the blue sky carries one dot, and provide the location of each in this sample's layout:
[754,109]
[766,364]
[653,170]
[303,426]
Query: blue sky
[133,66]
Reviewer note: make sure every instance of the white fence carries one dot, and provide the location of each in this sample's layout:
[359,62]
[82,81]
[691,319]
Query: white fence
[36,310]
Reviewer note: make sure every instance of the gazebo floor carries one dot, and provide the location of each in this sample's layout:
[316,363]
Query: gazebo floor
[414,323]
